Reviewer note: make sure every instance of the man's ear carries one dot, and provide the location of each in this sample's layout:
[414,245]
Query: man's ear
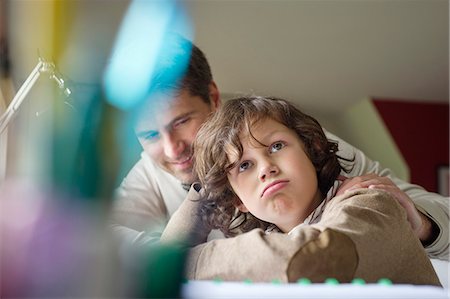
[214,96]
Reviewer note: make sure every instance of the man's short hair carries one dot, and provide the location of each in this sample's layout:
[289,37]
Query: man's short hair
[196,76]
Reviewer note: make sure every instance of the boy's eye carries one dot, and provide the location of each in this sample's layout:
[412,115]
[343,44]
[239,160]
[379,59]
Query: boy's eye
[275,147]
[244,166]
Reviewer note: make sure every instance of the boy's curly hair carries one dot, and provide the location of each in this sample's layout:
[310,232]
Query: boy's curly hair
[220,135]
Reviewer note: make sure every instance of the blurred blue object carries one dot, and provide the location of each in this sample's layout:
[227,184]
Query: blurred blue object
[143,41]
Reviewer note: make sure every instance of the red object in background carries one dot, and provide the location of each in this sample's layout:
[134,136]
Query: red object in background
[421,132]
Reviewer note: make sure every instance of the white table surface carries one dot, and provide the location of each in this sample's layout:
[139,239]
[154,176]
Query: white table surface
[215,290]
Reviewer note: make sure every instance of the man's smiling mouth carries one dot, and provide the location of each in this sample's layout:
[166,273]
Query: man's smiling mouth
[182,164]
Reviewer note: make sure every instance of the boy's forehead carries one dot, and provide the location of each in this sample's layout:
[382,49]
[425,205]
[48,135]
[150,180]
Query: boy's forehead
[260,130]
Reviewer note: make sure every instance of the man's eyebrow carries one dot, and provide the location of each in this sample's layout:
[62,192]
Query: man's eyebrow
[144,134]
[181,116]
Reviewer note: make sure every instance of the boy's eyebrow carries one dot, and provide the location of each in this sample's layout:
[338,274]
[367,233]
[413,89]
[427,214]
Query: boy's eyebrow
[269,134]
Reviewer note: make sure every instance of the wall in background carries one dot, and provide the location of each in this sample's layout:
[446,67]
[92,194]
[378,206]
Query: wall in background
[421,132]
[409,137]
[362,126]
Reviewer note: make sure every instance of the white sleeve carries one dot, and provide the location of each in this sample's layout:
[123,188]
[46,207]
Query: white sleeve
[138,212]
[435,206]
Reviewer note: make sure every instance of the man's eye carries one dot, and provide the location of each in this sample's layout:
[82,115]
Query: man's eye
[244,166]
[275,147]
[180,122]
[152,136]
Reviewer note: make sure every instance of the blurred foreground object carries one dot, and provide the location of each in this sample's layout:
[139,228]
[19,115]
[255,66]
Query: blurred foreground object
[52,246]
[64,164]
[57,247]
[41,67]
[142,45]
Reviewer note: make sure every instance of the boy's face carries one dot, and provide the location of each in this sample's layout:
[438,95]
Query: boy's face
[167,130]
[277,182]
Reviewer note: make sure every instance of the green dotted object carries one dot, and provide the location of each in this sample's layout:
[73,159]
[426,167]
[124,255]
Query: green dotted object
[248,281]
[304,281]
[332,281]
[217,280]
[358,281]
[385,281]
[276,281]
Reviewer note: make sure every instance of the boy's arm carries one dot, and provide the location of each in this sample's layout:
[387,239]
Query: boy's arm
[434,206]
[362,234]
[256,255]
[261,257]
[386,244]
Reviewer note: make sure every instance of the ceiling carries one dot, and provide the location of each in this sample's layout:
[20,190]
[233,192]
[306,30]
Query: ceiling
[324,55]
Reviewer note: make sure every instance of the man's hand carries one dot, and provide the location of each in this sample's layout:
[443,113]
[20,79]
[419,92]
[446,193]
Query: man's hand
[420,223]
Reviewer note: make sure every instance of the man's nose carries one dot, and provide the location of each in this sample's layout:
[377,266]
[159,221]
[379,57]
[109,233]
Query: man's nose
[268,170]
[173,146]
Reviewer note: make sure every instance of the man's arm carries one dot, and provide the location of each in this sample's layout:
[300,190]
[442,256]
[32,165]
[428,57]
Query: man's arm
[138,214]
[185,225]
[433,206]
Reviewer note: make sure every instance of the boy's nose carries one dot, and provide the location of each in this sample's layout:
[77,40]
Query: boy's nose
[268,171]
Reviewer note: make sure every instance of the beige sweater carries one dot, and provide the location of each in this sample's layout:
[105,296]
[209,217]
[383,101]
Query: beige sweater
[149,196]
[362,234]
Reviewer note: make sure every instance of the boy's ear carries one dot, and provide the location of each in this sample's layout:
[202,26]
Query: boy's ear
[240,206]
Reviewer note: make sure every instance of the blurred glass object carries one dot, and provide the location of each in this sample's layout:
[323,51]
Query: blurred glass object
[70,136]
[145,44]
[142,41]
[53,246]
[41,67]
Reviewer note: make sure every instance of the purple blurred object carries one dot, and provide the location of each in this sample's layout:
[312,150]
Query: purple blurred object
[52,246]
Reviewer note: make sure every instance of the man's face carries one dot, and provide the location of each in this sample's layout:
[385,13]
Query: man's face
[166,132]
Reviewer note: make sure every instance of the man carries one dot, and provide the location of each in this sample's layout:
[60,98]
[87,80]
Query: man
[158,183]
